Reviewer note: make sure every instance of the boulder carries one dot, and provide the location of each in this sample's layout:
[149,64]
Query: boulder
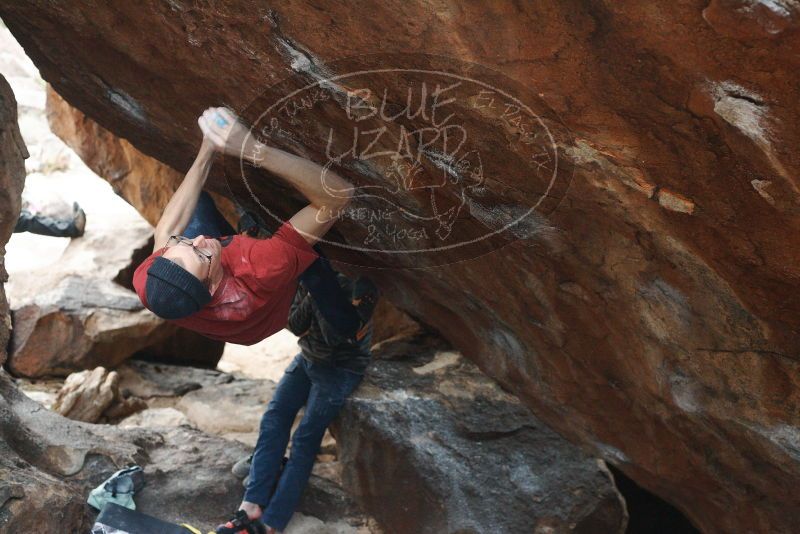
[92,396]
[80,324]
[429,444]
[641,293]
[12,179]
[326,498]
[86,395]
[65,320]
[221,405]
[231,410]
[301,524]
[266,359]
[31,499]
[189,478]
[148,380]
[44,391]
[39,450]
[156,417]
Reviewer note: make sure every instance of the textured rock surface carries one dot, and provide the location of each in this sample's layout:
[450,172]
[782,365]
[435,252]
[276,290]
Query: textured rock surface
[12,179]
[40,448]
[205,399]
[148,380]
[188,472]
[86,395]
[156,417]
[431,445]
[92,396]
[30,499]
[653,316]
[232,410]
[146,183]
[49,464]
[389,321]
[79,325]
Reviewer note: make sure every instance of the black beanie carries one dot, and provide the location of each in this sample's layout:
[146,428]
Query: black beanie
[172,292]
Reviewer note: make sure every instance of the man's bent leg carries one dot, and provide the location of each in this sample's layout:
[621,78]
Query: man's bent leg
[290,395]
[330,387]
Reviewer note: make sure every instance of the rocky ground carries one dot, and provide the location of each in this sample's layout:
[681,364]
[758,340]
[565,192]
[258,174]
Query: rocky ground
[427,444]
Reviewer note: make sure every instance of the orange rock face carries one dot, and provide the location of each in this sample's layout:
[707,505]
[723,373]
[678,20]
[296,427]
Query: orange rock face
[644,301]
[146,183]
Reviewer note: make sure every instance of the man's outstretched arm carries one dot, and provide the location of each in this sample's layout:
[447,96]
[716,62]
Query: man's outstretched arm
[180,207]
[326,201]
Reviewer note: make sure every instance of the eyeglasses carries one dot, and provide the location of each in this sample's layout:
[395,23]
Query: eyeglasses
[202,254]
[180,240]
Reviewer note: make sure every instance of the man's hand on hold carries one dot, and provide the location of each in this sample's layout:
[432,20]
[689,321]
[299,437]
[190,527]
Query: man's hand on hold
[222,128]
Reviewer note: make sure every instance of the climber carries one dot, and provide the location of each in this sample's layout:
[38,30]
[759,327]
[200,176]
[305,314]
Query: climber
[228,287]
[329,367]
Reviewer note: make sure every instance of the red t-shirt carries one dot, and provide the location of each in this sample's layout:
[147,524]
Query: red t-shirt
[260,281]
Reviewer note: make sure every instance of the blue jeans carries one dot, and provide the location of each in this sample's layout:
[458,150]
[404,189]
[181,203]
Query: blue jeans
[207,220]
[323,390]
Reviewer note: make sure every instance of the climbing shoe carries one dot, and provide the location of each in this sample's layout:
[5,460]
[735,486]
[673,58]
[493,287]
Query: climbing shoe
[79,220]
[241,524]
[242,468]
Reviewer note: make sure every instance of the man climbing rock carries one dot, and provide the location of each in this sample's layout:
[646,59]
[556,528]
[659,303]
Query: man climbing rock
[334,355]
[229,287]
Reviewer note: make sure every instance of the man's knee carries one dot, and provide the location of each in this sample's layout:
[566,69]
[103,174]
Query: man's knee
[306,442]
[276,417]
[317,419]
